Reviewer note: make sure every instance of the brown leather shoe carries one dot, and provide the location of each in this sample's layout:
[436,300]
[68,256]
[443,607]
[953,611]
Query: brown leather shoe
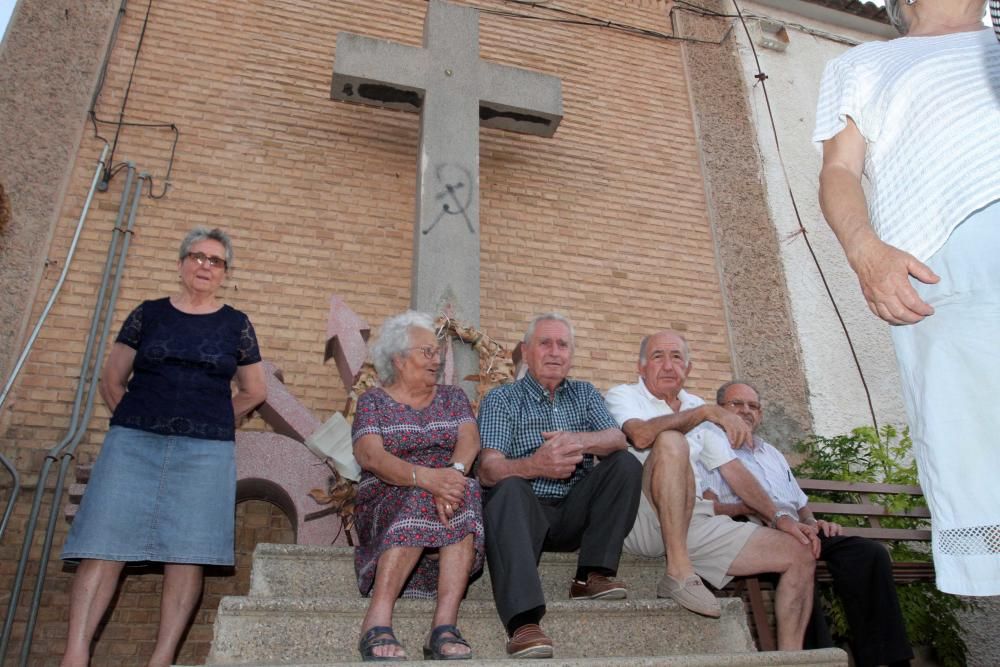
[598,587]
[529,642]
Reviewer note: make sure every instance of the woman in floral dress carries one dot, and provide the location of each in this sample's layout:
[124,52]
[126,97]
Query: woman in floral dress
[418,517]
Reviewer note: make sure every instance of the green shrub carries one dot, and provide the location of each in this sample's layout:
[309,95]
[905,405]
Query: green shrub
[884,456]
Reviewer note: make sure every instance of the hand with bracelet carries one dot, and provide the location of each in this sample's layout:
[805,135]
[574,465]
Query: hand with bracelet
[447,485]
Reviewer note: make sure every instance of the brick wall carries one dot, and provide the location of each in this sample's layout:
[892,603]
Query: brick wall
[605,222]
[127,635]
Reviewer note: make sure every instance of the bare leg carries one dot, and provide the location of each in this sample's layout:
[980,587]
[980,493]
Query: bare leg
[770,550]
[181,592]
[456,561]
[668,482]
[94,585]
[394,567]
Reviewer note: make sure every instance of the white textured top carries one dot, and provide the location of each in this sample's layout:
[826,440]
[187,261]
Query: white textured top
[929,110]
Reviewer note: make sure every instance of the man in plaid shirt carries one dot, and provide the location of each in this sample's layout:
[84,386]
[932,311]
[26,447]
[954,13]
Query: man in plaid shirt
[542,437]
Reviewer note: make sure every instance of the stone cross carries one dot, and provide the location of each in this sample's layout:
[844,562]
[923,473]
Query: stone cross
[455,93]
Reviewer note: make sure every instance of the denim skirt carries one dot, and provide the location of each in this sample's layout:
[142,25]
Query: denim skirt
[158,498]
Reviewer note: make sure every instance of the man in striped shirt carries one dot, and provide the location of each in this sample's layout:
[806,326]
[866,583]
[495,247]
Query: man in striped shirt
[861,568]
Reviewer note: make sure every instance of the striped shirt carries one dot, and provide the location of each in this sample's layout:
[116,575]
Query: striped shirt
[770,468]
[513,417]
[995,15]
[929,110]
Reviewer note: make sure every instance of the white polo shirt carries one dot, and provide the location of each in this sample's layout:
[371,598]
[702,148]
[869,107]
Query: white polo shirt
[708,443]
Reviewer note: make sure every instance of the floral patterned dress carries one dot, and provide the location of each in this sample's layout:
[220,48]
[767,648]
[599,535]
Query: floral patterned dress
[388,516]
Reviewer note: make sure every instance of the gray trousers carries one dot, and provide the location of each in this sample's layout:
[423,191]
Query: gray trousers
[594,517]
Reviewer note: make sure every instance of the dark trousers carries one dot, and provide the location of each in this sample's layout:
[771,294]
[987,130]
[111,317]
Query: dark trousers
[862,578]
[595,517]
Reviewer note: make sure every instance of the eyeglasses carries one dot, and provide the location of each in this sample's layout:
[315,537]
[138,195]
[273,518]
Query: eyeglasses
[429,351]
[211,260]
[739,405]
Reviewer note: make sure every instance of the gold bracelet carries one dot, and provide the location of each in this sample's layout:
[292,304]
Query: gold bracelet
[413,474]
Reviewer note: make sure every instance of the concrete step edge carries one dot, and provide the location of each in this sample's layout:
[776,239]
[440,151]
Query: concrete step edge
[230,604]
[829,657]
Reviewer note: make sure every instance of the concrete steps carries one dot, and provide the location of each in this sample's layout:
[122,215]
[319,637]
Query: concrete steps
[304,609]
[291,570]
[820,658]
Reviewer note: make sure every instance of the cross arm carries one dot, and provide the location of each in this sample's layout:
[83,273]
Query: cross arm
[379,73]
[519,100]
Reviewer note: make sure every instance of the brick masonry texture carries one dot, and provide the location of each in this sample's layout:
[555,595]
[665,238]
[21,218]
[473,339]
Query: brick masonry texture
[606,222]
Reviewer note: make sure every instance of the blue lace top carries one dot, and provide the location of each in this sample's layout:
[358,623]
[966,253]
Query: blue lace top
[183,368]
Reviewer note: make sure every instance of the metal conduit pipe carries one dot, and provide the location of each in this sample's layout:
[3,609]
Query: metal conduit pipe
[85,371]
[15,490]
[68,454]
[62,277]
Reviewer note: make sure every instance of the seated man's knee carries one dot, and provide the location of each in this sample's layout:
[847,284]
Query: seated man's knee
[510,489]
[790,554]
[671,446]
[875,553]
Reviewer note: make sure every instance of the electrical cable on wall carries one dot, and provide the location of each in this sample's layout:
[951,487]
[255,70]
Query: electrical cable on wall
[113,168]
[581,19]
[761,78]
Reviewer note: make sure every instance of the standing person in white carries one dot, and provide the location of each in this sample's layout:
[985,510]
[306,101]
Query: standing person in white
[919,117]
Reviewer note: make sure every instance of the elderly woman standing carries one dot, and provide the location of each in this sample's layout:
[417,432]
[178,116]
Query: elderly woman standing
[418,517]
[164,485]
[919,116]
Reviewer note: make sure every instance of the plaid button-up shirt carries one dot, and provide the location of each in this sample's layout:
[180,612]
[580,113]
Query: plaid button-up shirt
[513,417]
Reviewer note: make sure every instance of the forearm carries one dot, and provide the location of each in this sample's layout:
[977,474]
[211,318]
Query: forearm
[603,443]
[387,467]
[111,393]
[642,433]
[494,467]
[842,199]
[806,516]
[732,509]
[244,402]
[746,486]
[467,447]
[251,389]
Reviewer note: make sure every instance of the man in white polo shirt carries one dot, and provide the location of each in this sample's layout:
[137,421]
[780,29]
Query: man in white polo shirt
[673,520]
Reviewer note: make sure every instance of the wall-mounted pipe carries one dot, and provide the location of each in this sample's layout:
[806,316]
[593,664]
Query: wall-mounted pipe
[15,490]
[69,452]
[89,368]
[59,283]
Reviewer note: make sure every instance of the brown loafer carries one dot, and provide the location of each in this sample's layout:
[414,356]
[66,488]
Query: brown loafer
[529,641]
[597,587]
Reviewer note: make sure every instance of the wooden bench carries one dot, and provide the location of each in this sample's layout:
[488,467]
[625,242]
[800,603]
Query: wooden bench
[862,502]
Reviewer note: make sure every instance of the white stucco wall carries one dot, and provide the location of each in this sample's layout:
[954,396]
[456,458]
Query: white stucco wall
[836,396]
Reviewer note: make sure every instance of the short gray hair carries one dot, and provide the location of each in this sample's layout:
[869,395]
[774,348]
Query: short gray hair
[205,234]
[895,13]
[549,317]
[720,395]
[685,348]
[394,338]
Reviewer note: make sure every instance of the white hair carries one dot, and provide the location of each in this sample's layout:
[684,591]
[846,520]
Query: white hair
[394,339]
[644,345]
[549,317]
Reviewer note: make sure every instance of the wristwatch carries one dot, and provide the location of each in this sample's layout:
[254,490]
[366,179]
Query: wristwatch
[779,514]
[459,466]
